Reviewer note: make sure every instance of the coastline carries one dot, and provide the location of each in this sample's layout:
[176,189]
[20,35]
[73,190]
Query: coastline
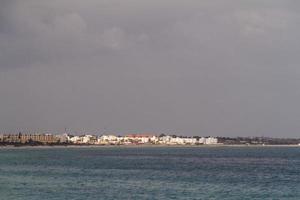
[144,146]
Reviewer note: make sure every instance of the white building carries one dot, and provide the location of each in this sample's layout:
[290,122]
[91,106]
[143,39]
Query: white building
[140,138]
[86,139]
[177,140]
[75,139]
[165,139]
[202,140]
[183,141]
[109,139]
[63,138]
[189,140]
[211,140]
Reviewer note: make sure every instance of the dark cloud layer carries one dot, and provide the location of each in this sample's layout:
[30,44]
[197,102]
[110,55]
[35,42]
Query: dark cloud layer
[192,68]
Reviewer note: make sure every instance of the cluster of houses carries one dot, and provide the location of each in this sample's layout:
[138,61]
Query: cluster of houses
[141,139]
[108,139]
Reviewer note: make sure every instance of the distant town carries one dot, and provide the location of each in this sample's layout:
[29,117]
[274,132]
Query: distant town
[21,139]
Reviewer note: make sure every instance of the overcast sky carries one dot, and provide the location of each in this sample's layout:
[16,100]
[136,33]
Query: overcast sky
[209,67]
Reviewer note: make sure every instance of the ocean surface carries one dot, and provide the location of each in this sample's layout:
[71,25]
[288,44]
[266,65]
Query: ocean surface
[150,173]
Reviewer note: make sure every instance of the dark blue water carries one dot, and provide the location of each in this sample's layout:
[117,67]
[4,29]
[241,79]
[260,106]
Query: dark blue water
[150,173]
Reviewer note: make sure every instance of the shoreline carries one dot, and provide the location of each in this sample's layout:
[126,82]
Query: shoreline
[142,146]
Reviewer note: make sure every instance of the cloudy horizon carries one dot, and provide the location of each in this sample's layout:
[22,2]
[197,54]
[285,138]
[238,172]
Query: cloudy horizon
[190,68]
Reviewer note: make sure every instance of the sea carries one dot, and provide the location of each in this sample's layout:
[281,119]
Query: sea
[92,173]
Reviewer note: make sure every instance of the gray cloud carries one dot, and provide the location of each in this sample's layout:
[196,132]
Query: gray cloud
[193,68]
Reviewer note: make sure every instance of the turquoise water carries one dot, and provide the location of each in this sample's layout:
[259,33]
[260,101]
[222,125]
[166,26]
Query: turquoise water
[150,173]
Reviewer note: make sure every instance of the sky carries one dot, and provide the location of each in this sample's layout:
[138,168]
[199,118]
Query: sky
[209,67]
